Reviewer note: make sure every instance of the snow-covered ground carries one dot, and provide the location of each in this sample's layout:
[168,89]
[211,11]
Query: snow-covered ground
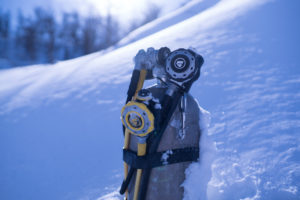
[60,132]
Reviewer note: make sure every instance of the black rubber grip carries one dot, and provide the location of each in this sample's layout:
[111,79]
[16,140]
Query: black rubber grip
[133,84]
[127,180]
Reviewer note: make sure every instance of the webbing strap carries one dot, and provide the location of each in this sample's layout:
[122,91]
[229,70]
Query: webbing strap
[157,159]
[160,158]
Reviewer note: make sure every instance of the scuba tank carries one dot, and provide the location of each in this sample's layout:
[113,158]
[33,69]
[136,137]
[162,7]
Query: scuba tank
[157,153]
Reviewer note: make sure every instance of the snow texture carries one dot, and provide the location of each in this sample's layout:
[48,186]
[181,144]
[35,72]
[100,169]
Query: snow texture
[199,174]
[111,196]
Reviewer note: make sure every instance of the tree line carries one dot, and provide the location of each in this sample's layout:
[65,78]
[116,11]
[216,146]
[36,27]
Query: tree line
[42,38]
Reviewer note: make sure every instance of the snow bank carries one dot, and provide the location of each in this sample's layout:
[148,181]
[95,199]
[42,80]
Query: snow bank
[111,196]
[199,174]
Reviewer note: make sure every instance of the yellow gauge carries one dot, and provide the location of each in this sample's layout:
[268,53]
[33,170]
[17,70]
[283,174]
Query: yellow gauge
[137,118]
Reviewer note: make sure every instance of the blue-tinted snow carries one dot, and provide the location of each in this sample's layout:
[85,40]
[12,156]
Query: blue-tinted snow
[60,135]
[199,174]
[192,8]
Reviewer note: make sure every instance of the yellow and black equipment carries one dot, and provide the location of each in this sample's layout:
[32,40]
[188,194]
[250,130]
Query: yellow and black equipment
[138,120]
[136,84]
[146,118]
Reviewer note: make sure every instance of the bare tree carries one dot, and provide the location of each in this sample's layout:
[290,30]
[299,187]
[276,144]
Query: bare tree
[26,38]
[90,34]
[70,35]
[39,38]
[151,14]
[46,32]
[4,33]
[111,31]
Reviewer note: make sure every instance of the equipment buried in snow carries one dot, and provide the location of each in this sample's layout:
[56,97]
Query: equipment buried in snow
[161,124]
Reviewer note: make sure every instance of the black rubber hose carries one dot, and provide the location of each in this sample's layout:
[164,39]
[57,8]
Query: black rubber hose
[127,180]
[133,84]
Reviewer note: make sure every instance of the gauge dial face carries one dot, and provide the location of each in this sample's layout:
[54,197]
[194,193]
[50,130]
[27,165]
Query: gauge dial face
[137,118]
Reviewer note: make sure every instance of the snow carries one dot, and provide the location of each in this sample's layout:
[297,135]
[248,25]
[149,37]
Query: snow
[199,174]
[185,12]
[165,156]
[111,196]
[60,134]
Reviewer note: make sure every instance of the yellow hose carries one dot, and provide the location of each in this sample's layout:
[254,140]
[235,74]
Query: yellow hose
[141,152]
[142,78]
[126,146]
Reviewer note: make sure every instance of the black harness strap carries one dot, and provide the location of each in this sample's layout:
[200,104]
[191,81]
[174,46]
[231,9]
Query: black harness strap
[158,159]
